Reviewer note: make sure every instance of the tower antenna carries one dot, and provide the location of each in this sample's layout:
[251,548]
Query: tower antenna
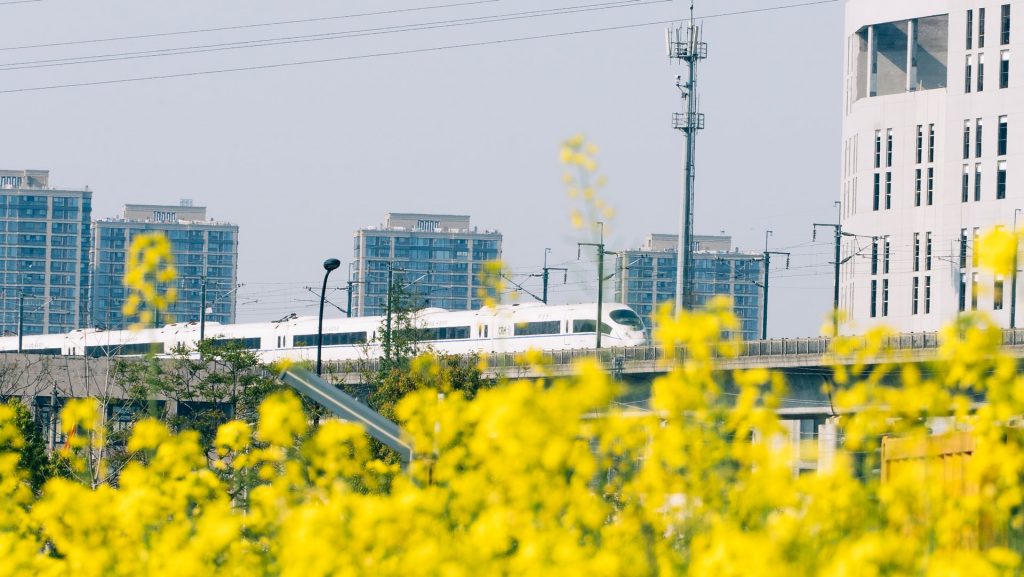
[686,45]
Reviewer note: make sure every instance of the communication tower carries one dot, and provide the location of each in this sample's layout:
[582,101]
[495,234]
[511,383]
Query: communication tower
[685,44]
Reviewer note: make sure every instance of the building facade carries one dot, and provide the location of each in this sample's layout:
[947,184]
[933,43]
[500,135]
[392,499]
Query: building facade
[205,253]
[933,148]
[436,261]
[646,277]
[44,238]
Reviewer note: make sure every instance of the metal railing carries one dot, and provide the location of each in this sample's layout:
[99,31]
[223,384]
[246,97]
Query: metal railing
[764,349]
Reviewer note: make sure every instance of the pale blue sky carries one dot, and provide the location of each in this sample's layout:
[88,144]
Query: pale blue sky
[301,156]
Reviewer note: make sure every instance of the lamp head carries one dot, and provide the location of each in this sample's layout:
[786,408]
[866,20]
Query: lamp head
[331,264]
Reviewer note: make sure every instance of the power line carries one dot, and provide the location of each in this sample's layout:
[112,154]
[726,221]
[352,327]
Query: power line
[19,2]
[398,52]
[300,39]
[236,27]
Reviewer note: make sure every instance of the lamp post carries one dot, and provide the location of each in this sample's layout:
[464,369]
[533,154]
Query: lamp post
[329,265]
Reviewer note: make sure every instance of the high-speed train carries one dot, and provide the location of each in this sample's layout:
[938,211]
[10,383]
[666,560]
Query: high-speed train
[506,328]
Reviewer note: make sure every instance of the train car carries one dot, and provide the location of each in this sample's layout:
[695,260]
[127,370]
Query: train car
[506,328]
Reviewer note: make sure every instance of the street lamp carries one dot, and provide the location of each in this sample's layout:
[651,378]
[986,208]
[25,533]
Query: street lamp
[329,265]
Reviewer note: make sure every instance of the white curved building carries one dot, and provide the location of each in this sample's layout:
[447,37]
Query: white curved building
[933,154]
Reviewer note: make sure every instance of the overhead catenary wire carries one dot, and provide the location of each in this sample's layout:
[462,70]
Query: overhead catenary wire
[237,26]
[303,38]
[423,50]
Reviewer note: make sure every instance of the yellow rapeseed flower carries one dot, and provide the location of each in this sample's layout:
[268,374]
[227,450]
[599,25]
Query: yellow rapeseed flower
[997,250]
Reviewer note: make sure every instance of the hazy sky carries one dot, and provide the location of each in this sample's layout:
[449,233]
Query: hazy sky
[301,156]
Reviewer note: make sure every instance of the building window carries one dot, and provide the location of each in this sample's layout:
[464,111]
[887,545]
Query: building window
[963,292]
[920,143]
[965,185]
[981,27]
[968,73]
[1004,28]
[874,255]
[963,250]
[888,147]
[931,143]
[931,184]
[974,247]
[885,255]
[977,182]
[1001,179]
[885,297]
[874,298]
[1004,69]
[877,195]
[967,139]
[1003,132]
[917,251]
[916,188]
[927,294]
[997,294]
[981,72]
[878,148]
[888,190]
[974,291]
[977,138]
[970,28]
[914,294]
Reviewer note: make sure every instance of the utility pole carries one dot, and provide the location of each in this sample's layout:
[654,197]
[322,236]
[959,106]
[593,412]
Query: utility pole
[1013,281]
[350,287]
[600,277]
[387,314]
[21,318]
[545,275]
[837,261]
[838,228]
[767,265]
[52,425]
[202,311]
[685,45]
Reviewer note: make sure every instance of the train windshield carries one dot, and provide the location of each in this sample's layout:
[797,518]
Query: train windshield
[628,318]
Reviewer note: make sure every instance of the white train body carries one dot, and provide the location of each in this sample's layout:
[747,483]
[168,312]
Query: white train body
[507,328]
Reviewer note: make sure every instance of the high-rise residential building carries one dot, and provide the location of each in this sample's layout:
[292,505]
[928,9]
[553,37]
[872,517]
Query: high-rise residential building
[646,277]
[44,237]
[933,156]
[436,260]
[205,252]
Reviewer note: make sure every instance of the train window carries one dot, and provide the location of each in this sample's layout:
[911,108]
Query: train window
[444,333]
[628,318]
[589,326]
[251,343]
[330,339]
[55,351]
[121,350]
[538,328]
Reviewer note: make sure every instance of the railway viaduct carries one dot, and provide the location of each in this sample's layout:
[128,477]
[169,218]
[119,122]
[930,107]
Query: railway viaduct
[806,363]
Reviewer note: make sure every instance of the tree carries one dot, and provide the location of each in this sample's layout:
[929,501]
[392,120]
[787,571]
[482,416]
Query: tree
[209,385]
[33,459]
[408,365]
[399,335]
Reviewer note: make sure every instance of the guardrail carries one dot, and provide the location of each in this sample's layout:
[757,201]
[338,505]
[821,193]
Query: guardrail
[770,348]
